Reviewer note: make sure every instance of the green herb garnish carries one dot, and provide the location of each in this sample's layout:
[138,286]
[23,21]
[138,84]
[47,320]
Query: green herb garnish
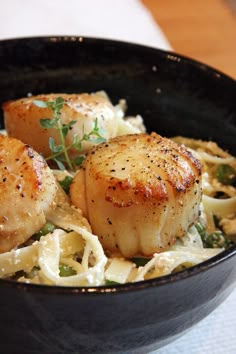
[65,183]
[66,271]
[60,153]
[46,229]
[226,174]
[216,239]
[111,282]
[140,261]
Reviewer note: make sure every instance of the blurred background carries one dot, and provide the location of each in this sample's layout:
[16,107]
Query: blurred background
[202,29]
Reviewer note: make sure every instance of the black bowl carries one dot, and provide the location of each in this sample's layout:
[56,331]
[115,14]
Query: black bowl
[175,95]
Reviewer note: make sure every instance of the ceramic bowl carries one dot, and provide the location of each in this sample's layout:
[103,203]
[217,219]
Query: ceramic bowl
[176,96]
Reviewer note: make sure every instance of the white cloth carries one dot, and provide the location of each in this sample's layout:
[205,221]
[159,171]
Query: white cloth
[125,20]
[216,334]
[121,19]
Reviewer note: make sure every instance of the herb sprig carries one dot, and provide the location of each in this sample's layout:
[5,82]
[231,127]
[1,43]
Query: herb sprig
[60,152]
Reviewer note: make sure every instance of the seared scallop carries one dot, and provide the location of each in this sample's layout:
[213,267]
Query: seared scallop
[139,192]
[22,119]
[27,191]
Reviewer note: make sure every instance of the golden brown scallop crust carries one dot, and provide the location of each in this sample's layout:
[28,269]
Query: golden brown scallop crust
[140,191]
[22,119]
[27,188]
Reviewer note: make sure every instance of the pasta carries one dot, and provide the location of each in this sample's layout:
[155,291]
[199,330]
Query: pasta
[71,255]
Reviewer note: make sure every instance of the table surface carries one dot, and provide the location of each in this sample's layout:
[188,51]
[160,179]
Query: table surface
[203,29]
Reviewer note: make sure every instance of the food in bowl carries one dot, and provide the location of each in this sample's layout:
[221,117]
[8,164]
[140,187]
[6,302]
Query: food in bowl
[156,205]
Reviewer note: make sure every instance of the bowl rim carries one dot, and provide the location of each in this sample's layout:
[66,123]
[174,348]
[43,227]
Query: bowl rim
[80,39]
[145,284]
[127,287]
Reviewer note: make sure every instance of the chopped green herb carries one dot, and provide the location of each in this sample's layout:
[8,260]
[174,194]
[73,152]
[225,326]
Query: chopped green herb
[226,174]
[35,269]
[215,239]
[60,152]
[65,183]
[111,282]
[19,274]
[46,229]
[216,221]
[66,271]
[140,261]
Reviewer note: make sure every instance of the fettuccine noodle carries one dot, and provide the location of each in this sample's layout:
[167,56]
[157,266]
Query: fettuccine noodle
[74,246]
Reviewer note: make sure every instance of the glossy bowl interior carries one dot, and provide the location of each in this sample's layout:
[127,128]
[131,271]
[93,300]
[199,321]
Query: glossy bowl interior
[175,96]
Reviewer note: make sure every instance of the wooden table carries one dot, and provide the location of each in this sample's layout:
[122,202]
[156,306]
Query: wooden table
[201,29]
